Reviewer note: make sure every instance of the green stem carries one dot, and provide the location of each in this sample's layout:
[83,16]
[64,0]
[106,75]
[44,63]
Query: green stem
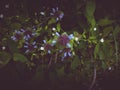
[116,50]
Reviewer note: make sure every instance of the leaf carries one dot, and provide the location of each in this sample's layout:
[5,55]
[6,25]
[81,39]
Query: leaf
[101,55]
[82,44]
[107,30]
[15,26]
[12,46]
[19,57]
[90,8]
[89,12]
[52,21]
[96,50]
[104,66]
[92,21]
[75,63]
[105,21]
[92,38]
[117,30]
[22,19]
[4,58]
[106,49]
[58,27]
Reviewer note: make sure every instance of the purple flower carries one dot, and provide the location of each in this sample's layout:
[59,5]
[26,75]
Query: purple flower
[17,35]
[34,28]
[63,40]
[49,51]
[54,42]
[30,46]
[68,45]
[71,36]
[57,34]
[44,41]
[28,34]
[57,13]
[67,53]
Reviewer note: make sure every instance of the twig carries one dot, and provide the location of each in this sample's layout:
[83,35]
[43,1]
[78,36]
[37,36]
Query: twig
[56,57]
[94,74]
[116,50]
[50,62]
[94,79]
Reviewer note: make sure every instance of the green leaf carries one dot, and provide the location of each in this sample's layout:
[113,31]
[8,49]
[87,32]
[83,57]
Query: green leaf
[90,8]
[82,44]
[58,27]
[117,30]
[75,62]
[105,21]
[22,19]
[4,58]
[104,66]
[107,30]
[101,55]
[89,12]
[19,57]
[52,21]
[92,21]
[106,49]
[92,38]
[12,46]
[96,51]
[15,26]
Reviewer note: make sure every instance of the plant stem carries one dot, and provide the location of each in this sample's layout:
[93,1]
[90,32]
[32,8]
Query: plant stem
[94,73]
[94,79]
[50,62]
[56,57]
[116,50]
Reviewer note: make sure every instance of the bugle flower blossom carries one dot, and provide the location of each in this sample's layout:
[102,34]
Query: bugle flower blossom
[17,35]
[30,46]
[57,13]
[63,39]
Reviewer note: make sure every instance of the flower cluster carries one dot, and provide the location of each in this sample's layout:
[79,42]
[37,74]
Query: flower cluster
[17,35]
[56,13]
[27,36]
[61,44]
[30,46]
[63,39]
[23,34]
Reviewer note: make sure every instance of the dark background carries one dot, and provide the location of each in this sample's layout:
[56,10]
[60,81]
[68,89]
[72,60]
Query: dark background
[110,8]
